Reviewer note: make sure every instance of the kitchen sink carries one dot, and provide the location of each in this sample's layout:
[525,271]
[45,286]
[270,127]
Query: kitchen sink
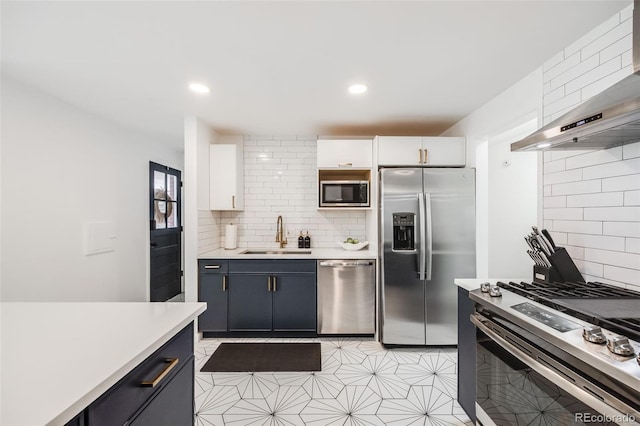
[275,251]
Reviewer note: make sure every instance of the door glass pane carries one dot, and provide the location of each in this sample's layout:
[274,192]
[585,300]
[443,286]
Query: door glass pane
[160,214]
[159,188]
[172,187]
[172,216]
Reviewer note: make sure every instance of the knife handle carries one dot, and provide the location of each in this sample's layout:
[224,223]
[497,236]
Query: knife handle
[547,235]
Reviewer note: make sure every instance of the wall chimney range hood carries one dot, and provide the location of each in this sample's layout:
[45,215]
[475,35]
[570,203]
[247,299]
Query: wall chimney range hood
[609,119]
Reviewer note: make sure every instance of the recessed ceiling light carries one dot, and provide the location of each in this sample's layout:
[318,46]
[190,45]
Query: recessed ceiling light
[543,145]
[199,88]
[357,89]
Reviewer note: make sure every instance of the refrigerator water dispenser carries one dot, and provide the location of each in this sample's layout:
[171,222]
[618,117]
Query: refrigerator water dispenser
[404,231]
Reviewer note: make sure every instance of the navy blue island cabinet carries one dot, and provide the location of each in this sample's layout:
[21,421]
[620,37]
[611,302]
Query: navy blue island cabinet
[258,297]
[157,392]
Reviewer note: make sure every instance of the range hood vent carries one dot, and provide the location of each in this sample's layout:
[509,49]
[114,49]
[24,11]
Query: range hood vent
[609,119]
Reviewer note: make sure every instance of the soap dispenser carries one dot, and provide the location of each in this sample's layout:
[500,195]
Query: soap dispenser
[300,241]
[307,241]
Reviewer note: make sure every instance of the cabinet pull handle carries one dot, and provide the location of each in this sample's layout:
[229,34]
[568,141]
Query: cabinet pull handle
[269,283]
[274,286]
[345,164]
[224,283]
[152,383]
[426,156]
[233,201]
[211,266]
[419,156]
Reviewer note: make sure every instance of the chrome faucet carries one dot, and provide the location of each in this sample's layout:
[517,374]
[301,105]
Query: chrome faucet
[280,237]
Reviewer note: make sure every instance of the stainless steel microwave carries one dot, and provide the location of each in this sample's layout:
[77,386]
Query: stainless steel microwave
[344,193]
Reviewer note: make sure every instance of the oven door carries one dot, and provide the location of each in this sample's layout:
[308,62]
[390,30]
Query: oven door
[518,383]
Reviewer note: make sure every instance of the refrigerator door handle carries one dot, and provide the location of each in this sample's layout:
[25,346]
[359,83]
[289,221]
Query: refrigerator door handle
[429,243]
[421,222]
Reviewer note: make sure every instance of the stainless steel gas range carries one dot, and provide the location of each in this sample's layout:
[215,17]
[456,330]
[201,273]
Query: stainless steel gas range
[557,354]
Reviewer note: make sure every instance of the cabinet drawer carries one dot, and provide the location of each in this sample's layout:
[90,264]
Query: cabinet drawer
[270,266]
[213,266]
[126,397]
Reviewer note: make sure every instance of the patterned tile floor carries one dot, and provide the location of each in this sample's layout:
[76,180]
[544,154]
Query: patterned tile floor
[361,383]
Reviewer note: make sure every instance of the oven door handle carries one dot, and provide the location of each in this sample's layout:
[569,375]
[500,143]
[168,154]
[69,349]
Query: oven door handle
[558,377]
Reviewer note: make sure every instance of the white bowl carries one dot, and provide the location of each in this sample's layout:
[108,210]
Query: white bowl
[353,247]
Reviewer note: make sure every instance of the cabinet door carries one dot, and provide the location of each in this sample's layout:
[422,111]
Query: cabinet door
[399,150]
[249,302]
[226,177]
[212,289]
[466,355]
[443,151]
[294,302]
[356,153]
[173,405]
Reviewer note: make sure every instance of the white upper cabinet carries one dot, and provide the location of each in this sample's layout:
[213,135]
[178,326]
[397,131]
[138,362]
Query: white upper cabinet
[226,174]
[345,153]
[421,151]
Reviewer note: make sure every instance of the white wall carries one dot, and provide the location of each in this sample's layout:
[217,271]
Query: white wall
[506,197]
[62,167]
[592,198]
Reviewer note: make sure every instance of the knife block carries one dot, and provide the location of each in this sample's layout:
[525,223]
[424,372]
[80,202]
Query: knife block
[562,269]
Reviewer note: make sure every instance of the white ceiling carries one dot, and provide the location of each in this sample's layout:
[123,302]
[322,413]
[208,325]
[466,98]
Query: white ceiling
[283,67]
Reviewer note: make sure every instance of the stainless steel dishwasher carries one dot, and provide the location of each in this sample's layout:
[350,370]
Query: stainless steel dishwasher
[346,296]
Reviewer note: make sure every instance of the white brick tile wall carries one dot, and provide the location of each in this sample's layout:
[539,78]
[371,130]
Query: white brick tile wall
[208,231]
[592,198]
[602,199]
[280,179]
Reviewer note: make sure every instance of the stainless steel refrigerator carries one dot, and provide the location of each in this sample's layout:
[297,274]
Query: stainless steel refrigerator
[427,239]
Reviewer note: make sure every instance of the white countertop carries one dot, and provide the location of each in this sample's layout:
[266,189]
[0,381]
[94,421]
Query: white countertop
[57,358]
[474,283]
[292,253]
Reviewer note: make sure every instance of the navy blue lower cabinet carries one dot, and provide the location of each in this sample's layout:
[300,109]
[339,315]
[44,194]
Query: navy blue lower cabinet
[250,304]
[77,420]
[213,289]
[294,302]
[466,355]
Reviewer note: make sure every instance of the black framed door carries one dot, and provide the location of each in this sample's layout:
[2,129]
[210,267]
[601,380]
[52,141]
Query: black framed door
[165,232]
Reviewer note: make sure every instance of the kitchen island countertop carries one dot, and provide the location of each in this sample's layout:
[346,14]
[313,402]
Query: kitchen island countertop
[57,358]
[292,253]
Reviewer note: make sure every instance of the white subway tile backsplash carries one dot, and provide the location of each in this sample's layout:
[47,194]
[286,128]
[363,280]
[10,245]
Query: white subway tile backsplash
[616,49]
[558,155]
[553,61]
[280,179]
[593,75]
[574,72]
[584,187]
[554,166]
[563,177]
[597,241]
[626,13]
[632,245]
[559,238]
[622,183]
[613,214]
[554,95]
[623,229]
[547,190]
[618,168]
[608,38]
[555,202]
[625,275]
[577,227]
[604,199]
[598,86]
[612,258]
[632,198]
[562,67]
[563,103]
[563,214]
[575,252]
[589,268]
[631,150]
[594,158]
